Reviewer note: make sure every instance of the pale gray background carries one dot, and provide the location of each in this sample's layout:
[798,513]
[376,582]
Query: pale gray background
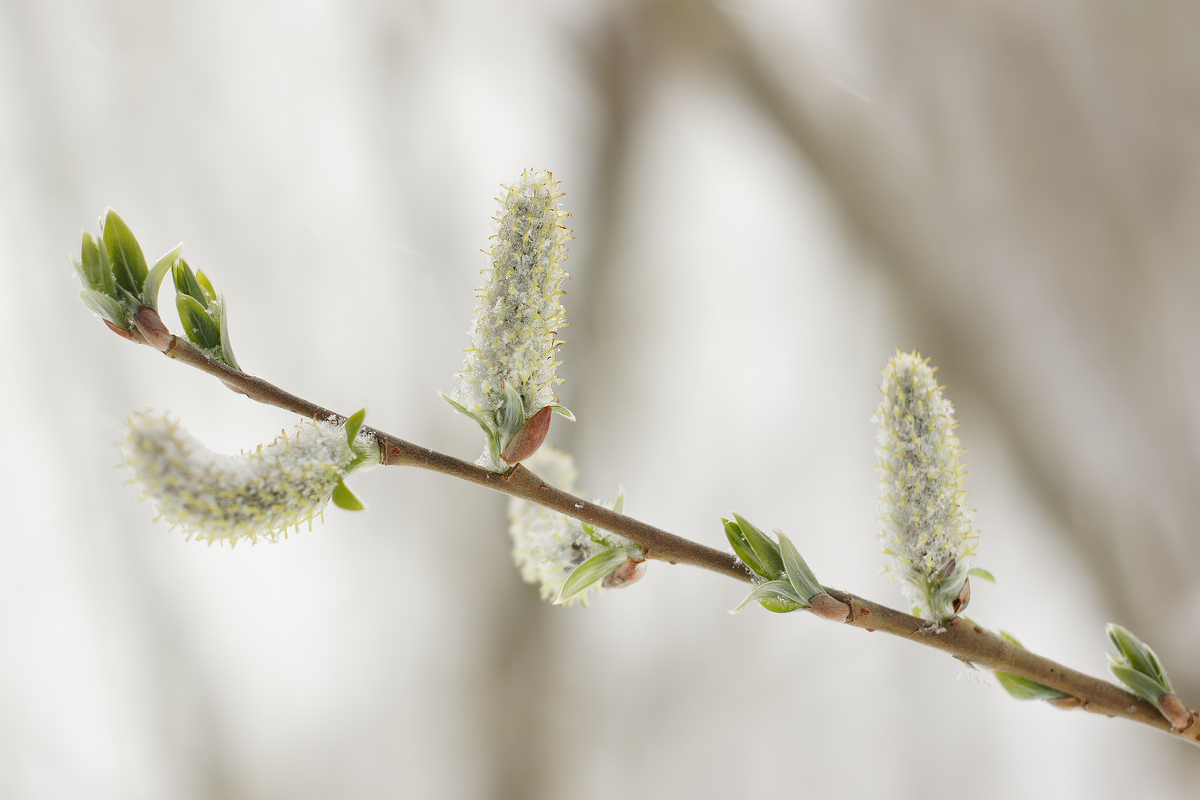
[769,197]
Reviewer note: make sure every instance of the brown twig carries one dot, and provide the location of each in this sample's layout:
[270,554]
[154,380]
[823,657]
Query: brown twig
[960,637]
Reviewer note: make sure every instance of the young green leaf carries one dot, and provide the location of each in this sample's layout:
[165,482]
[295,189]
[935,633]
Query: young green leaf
[206,285]
[766,550]
[778,596]
[128,263]
[1139,683]
[563,411]
[798,573]
[106,307]
[1025,689]
[354,425]
[1137,655]
[979,572]
[155,278]
[741,547]
[90,269]
[592,570]
[226,345]
[344,498]
[186,283]
[480,419]
[200,328]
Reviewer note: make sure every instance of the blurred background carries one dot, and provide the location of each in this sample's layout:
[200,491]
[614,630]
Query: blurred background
[769,197]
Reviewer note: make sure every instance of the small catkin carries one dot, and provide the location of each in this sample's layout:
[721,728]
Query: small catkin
[547,545]
[926,524]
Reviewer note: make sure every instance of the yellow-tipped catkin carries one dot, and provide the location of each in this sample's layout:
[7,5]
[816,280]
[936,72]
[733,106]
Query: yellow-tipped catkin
[926,524]
[515,333]
[234,498]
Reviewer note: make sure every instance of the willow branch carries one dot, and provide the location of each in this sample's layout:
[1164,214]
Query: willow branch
[960,637]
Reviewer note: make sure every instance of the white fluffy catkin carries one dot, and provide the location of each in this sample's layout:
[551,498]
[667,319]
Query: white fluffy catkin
[515,331]
[263,493]
[926,524]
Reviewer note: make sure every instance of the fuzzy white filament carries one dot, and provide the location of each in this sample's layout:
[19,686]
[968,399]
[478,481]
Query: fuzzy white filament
[926,523]
[515,331]
[547,546]
[233,498]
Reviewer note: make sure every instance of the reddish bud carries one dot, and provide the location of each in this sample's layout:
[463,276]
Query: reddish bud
[124,334]
[1175,711]
[629,572]
[151,326]
[529,438]
[959,603]
[826,607]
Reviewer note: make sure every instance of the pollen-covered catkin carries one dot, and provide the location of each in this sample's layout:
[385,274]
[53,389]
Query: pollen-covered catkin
[233,498]
[926,524]
[514,336]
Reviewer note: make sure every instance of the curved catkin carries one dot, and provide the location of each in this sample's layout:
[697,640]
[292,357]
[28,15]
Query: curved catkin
[263,493]
[926,524]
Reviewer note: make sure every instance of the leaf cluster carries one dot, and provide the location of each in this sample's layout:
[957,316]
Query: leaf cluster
[116,280]
[1136,665]
[787,582]
[617,551]
[202,312]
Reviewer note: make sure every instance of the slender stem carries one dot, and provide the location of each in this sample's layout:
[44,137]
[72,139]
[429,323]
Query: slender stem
[960,637]
[965,640]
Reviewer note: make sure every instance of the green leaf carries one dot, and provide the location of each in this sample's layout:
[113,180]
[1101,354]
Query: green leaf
[1138,655]
[344,498]
[106,307]
[226,345]
[186,283]
[207,286]
[511,415]
[106,266]
[1140,684]
[128,263]
[982,573]
[155,278]
[90,269]
[766,550]
[564,411]
[801,577]
[197,324]
[1025,689]
[778,596]
[618,505]
[354,425]
[592,570]
[1008,637]
[741,547]
[479,418]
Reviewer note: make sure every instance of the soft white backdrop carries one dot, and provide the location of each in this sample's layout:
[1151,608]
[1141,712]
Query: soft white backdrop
[768,199]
